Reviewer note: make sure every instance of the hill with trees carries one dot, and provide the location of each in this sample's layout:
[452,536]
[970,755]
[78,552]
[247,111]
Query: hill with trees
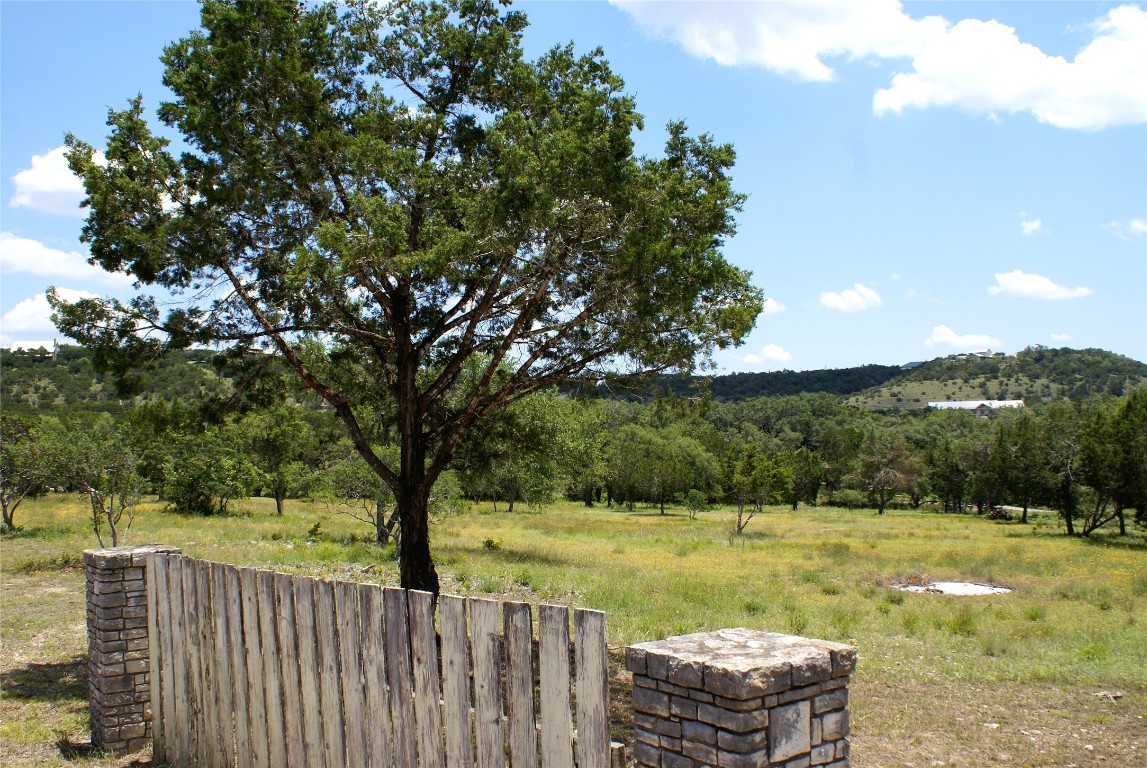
[1034,375]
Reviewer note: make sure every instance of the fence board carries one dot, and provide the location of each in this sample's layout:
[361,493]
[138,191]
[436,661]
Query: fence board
[427,691]
[156,586]
[484,637]
[210,751]
[330,674]
[350,653]
[193,671]
[221,674]
[379,744]
[455,681]
[309,695]
[520,685]
[240,686]
[178,577]
[592,689]
[554,671]
[175,703]
[257,683]
[292,685]
[401,677]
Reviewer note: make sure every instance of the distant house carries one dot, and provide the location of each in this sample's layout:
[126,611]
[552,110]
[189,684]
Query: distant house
[981,354]
[982,408]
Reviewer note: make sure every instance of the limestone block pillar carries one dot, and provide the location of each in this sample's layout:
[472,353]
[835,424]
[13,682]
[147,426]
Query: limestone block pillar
[739,698]
[119,693]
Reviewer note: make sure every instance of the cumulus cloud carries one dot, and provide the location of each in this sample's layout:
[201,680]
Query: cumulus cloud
[978,66]
[773,307]
[788,38]
[49,185]
[19,254]
[855,299]
[943,336]
[1061,337]
[770,353]
[1133,228]
[983,67]
[1031,226]
[1028,286]
[31,317]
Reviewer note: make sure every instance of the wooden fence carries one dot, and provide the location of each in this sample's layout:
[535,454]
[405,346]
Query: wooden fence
[254,669]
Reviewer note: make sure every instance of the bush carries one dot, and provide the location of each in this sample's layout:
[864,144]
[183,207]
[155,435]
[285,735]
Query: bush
[851,499]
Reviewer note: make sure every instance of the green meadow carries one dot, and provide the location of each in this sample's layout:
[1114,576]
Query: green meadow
[1053,673]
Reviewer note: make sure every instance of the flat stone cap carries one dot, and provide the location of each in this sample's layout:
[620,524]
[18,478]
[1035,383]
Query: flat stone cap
[127,556]
[741,663]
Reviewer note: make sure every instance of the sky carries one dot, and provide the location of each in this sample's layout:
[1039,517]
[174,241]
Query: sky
[923,179]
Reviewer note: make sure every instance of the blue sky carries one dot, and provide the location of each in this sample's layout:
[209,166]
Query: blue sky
[922,178]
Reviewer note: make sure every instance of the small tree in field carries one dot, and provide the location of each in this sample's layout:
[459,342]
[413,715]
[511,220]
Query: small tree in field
[23,472]
[414,217]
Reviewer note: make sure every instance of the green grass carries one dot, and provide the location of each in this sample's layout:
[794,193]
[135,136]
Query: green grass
[1074,620]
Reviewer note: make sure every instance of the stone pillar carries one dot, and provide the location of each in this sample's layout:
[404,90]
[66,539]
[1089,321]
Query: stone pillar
[119,694]
[740,698]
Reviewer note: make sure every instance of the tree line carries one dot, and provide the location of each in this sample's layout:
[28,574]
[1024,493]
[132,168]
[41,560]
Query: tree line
[1085,459]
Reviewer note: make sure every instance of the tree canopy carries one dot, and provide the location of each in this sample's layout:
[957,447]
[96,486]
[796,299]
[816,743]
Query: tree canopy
[423,224]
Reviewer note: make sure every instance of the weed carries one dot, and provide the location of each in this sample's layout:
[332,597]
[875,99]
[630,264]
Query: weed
[962,623]
[1035,613]
[492,545]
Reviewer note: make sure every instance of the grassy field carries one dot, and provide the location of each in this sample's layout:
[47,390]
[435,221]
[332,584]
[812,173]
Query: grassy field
[1014,680]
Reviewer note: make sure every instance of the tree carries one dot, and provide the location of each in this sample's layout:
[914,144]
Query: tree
[98,460]
[887,465]
[395,201]
[22,468]
[204,472]
[806,470]
[282,445]
[1020,460]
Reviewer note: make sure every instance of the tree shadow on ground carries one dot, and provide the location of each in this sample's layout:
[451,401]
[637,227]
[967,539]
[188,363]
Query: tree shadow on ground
[47,682]
[83,749]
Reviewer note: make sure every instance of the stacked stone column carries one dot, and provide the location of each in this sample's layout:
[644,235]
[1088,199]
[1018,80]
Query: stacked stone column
[118,659]
[740,698]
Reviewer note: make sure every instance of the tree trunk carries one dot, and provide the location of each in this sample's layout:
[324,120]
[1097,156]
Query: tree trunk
[587,496]
[1024,518]
[278,503]
[381,534]
[510,498]
[416,568]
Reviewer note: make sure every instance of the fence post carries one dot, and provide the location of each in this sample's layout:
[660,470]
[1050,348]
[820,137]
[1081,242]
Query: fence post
[739,698]
[119,696]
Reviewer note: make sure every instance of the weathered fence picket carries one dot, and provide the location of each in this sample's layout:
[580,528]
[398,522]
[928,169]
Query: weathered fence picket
[251,669]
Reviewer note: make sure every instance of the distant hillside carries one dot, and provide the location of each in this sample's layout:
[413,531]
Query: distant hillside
[742,386]
[1036,374]
[35,381]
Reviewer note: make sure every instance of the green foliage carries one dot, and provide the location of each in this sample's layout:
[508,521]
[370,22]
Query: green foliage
[204,472]
[424,225]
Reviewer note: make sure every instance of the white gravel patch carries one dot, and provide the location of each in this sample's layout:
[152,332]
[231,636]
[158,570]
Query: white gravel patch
[957,588]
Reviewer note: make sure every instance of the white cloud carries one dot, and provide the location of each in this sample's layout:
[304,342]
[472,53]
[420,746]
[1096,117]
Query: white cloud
[1031,226]
[770,353]
[31,317]
[773,307]
[982,67]
[19,254]
[978,66]
[855,299]
[1027,286]
[1061,337]
[787,37]
[1133,228]
[943,336]
[50,186]
[912,293]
